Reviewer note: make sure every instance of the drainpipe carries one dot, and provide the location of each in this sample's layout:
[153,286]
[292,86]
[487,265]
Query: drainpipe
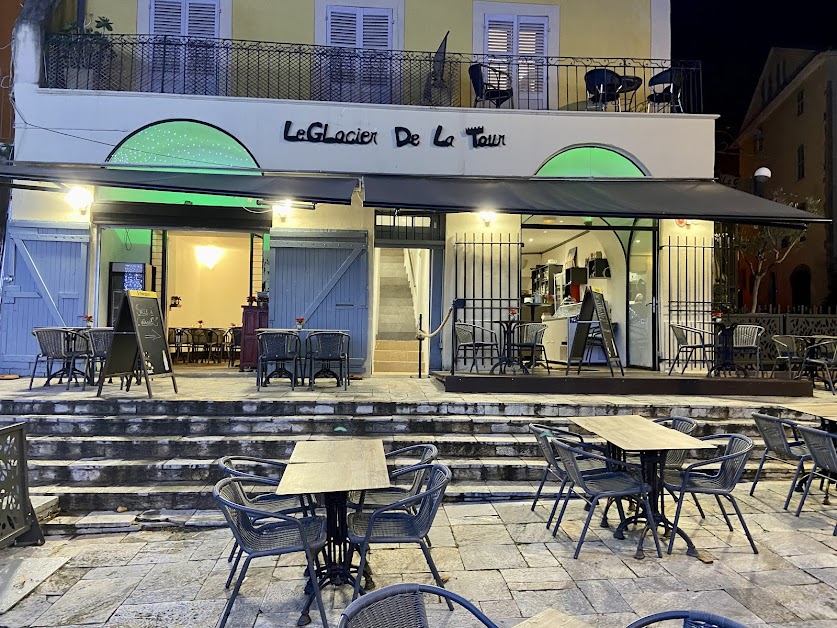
[81,10]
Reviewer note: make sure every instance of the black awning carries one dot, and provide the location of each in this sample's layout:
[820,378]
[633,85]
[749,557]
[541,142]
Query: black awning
[309,189]
[634,198]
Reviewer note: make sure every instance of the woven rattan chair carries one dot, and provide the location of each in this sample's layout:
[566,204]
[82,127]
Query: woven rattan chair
[696,479]
[327,347]
[778,447]
[99,340]
[790,352]
[279,348]
[691,619]
[821,357]
[396,523]
[466,339]
[275,534]
[823,448]
[423,454]
[676,457]
[402,606]
[746,339]
[530,344]
[689,347]
[604,485]
[233,344]
[64,346]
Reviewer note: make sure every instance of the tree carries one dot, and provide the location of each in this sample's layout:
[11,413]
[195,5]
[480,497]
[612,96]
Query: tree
[764,247]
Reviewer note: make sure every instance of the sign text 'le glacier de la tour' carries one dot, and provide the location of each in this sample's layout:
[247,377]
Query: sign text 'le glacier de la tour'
[322,133]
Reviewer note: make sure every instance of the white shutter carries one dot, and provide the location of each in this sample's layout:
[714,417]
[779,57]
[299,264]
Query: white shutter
[499,34]
[531,69]
[167,17]
[342,27]
[376,31]
[202,18]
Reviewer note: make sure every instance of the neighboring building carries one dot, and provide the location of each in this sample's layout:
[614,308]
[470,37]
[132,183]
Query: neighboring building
[8,15]
[196,84]
[789,128]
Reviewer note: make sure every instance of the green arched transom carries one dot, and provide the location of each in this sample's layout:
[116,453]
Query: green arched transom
[585,162]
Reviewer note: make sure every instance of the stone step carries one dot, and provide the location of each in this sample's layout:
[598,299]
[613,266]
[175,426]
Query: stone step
[395,366]
[395,355]
[45,506]
[396,335]
[394,345]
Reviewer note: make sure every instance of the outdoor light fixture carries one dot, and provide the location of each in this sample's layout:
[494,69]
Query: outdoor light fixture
[487,216]
[208,255]
[282,209]
[79,198]
[760,177]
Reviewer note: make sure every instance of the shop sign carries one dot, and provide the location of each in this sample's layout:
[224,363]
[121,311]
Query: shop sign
[321,133]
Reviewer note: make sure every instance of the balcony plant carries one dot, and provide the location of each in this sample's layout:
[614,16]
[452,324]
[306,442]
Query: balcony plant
[86,58]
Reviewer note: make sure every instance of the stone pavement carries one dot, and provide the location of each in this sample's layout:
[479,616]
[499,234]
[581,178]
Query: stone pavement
[498,555]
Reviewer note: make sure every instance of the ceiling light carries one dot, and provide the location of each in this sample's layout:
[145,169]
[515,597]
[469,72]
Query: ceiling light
[531,239]
[79,198]
[208,255]
[282,209]
[487,216]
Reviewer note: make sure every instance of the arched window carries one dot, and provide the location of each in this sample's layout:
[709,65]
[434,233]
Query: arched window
[582,162]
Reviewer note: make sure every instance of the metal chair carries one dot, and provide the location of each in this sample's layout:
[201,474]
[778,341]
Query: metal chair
[821,356]
[530,339]
[278,347]
[604,485]
[823,448]
[676,457]
[175,340]
[790,352]
[199,338]
[402,605]
[391,524]
[58,344]
[681,335]
[671,82]
[603,87]
[691,619]
[234,344]
[745,339]
[326,347]
[275,534]
[491,90]
[99,340]
[384,496]
[696,479]
[215,344]
[774,432]
[466,338]
[186,345]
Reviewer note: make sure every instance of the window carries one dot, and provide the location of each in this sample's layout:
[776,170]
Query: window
[364,73]
[515,50]
[189,62]
[800,162]
[758,142]
[800,102]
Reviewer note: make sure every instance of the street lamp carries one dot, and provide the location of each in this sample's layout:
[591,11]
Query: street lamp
[760,177]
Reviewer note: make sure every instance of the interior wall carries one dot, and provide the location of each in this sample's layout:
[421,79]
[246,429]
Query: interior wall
[119,245]
[213,295]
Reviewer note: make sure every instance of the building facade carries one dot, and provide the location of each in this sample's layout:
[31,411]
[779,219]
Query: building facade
[327,87]
[789,128]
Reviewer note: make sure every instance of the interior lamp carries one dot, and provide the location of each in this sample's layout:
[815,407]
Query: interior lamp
[79,198]
[208,255]
[487,216]
[282,209]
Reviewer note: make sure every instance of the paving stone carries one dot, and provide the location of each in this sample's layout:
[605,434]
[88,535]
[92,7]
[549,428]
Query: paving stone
[109,555]
[88,602]
[569,601]
[529,579]
[487,556]
[60,582]
[201,614]
[786,577]
[814,561]
[763,604]
[493,534]
[459,514]
[254,586]
[411,560]
[603,596]
[26,611]
[594,567]
[478,586]
[20,576]
[718,602]
[165,552]
[172,582]
[808,601]
[127,571]
[529,533]
[537,555]
[697,577]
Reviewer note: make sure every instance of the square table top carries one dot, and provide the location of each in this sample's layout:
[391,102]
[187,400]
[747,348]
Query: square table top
[819,408]
[335,465]
[632,432]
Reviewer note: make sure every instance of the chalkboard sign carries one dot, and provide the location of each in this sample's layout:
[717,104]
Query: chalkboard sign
[140,344]
[594,312]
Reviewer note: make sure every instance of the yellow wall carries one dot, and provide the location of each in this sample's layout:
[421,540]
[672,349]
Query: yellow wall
[123,14]
[290,21]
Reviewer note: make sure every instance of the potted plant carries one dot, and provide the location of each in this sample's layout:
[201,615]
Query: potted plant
[251,300]
[300,322]
[88,319]
[86,57]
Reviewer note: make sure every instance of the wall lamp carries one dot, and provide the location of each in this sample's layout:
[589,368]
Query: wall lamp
[79,198]
[282,209]
[487,216]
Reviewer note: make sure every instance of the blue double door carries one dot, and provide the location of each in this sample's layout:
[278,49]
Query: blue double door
[323,277]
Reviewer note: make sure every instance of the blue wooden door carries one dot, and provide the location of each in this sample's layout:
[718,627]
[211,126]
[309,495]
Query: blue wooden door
[44,285]
[322,276]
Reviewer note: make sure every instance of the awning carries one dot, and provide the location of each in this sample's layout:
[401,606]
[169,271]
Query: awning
[304,188]
[635,198]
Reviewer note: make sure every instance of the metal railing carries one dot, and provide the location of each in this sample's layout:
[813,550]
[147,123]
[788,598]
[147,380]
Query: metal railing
[254,69]
[18,523]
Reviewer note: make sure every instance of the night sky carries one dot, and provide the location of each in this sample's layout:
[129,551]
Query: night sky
[732,39]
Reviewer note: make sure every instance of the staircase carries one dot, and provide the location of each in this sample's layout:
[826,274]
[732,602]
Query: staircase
[93,457]
[396,350]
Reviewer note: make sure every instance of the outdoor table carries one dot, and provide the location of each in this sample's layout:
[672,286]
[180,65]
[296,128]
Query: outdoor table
[724,350]
[652,441]
[281,371]
[630,85]
[335,466]
[506,357]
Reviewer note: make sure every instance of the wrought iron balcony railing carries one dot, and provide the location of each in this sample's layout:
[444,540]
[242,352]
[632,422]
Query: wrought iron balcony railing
[222,67]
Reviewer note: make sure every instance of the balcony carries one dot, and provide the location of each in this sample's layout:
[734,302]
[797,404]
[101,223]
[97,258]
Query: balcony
[253,69]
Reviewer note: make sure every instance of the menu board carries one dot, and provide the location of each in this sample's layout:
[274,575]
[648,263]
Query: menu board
[605,325]
[140,343]
[593,305]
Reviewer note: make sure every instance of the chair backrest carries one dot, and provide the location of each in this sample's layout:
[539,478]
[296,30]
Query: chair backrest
[52,342]
[826,349]
[438,478]
[401,605]
[774,432]
[185,336]
[477,79]
[427,455]
[661,78]
[823,447]
[464,334]
[531,333]
[543,434]
[679,332]
[279,345]
[746,336]
[235,332]
[739,447]
[327,345]
[231,499]
[574,461]
[199,336]
[172,336]
[602,81]
[242,467]
[100,339]
[691,619]
[788,346]
[676,457]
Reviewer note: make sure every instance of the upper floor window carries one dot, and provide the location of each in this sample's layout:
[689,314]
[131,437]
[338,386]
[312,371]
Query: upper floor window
[359,27]
[800,162]
[514,48]
[800,102]
[758,142]
[194,18]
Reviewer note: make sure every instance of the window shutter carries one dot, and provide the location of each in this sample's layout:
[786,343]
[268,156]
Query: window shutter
[202,18]
[376,31]
[531,50]
[531,36]
[167,17]
[342,27]
[499,35]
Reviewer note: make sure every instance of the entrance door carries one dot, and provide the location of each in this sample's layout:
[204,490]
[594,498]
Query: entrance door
[322,276]
[642,291]
[44,285]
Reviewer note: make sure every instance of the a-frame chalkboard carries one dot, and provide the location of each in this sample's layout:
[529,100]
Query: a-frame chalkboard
[140,343]
[594,305]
